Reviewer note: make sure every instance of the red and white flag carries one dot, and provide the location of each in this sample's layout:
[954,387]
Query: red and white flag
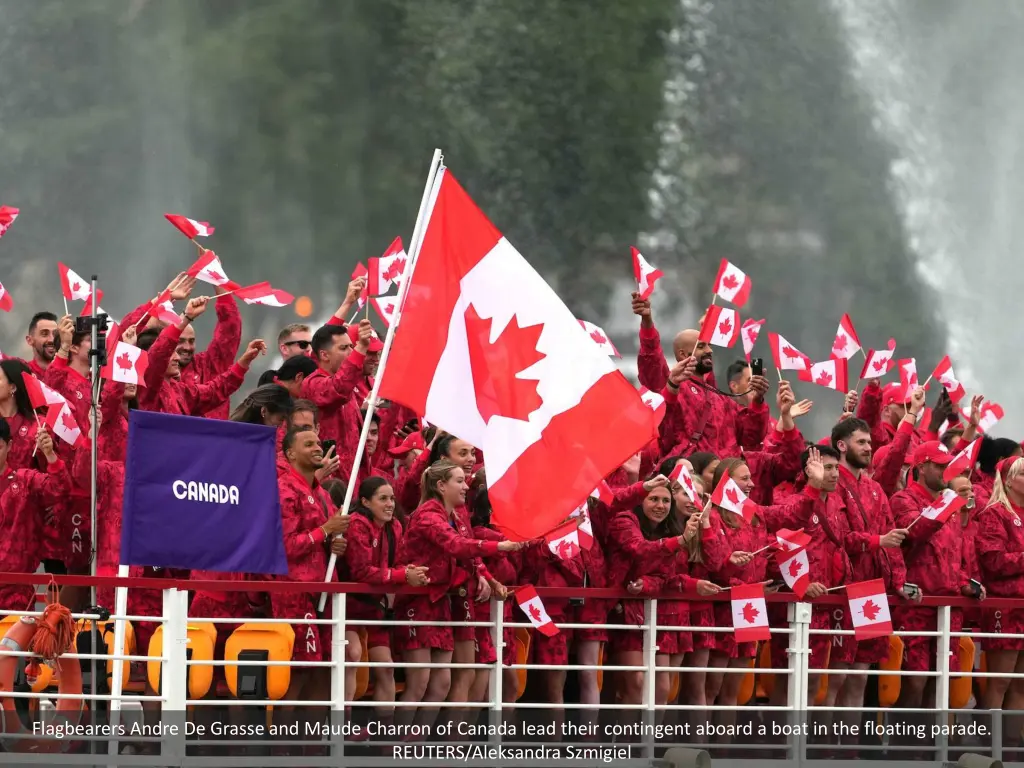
[991,414]
[585,533]
[846,343]
[487,351]
[655,402]
[646,275]
[878,362]
[387,270]
[385,307]
[795,568]
[721,326]
[828,373]
[190,228]
[40,395]
[7,217]
[265,294]
[600,338]
[564,541]
[944,373]
[127,365]
[209,269]
[87,307]
[74,286]
[789,541]
[750,613]
[729,496]
[61,419]
[869,609]
[942,508]
[530,603]
[6,302]
[963,461]
[732,283]
[749,332]
[162,308]
[682,476]
[361,271]
[786,356]
[908,377]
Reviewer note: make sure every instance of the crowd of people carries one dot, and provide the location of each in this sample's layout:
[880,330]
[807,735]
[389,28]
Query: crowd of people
[421,515]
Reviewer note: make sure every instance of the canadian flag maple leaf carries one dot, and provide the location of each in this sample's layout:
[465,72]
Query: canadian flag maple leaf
[566,550]
[495,365]
[731,495]
[598,337]
[730,282]
[878,365]
[791,353]
[840,343]
[725,327]
[870,610]
[395,269]
[824,379]
[215,276]
[535,613]
[795,567]
[125,362]
[750,613]
[67,419]
[75,287]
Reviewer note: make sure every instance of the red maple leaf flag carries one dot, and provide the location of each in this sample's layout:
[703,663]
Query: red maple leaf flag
[721,326]
[530,603]
[942,508]
[682,476]
[7,217]
[386,271]
[732,283]
[846,344]
[385,308]
[795,568]
[786,356]
[828,373]
[791,541]
[749,613]
[6,302]
[62,421]
[869,609]
[655,402]
[361,271]
[564,541]
[646,275]
[729,496]
[266,295]
[127,365]
[162,308]
[190,228]
[486,350]
[585,533]
[40,395]
[944,373]
[963,461]
[991,414]
[908,377]
[209,269]
[749,332]
[73,285]
[599,337]
[878,362]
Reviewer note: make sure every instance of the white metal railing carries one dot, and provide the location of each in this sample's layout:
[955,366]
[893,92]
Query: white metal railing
[177,747]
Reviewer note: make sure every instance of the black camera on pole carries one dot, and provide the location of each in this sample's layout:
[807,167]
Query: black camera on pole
[85,325]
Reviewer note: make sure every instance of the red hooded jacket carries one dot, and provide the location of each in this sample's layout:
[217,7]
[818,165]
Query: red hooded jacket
[935,557]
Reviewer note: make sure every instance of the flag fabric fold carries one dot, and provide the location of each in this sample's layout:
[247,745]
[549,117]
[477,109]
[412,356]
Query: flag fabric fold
[646,275]
[190,228]
[749,331]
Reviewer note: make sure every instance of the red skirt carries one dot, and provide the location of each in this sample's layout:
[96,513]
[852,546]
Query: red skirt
[312,641]
[1002,620]
[420,608]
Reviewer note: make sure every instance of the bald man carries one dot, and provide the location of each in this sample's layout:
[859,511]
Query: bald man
[707,419]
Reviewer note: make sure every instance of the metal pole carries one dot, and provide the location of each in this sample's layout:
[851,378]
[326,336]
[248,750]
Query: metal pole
[94,380]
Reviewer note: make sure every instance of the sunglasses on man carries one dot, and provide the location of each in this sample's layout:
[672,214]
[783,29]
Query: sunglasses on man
[303,345]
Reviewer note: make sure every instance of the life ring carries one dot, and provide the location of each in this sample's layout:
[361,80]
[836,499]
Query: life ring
[69,711]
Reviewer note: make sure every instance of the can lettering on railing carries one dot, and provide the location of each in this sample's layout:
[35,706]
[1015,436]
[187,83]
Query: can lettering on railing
[310,635]
[214,493]
[76,534]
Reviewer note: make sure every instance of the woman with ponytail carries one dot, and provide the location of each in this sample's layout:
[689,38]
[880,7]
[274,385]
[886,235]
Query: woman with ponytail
[438,538]
[999,545]
[268,404]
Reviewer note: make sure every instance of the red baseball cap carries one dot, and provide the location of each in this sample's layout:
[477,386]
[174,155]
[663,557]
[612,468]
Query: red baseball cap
[932,451]
[412,443]
[376,345]
[893,394]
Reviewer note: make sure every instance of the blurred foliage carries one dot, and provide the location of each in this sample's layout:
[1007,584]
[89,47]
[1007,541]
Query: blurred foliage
[302,130]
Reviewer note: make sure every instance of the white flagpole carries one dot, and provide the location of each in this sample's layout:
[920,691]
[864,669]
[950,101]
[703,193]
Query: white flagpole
[117,683]
[430,190]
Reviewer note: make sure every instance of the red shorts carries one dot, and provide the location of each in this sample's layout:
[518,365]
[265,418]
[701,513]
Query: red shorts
[312,641]
[551,650]
[668,641]
[486,652]
[820,644]
[593,611]
[703,615]
[357,611]
[420,608]
[462,610]
[919,653]
[1002,620]
[846,650]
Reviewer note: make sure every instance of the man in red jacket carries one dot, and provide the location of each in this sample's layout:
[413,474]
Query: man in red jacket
[42,338]
[203,367]
[333,385]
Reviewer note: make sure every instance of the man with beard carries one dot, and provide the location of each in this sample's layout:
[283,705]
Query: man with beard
[699,416]
[42,337]
[203,367]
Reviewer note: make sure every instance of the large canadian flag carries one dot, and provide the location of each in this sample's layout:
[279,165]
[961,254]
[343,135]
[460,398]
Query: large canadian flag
[487,351]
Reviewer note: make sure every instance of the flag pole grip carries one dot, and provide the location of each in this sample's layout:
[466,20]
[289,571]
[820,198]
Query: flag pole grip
[426,204]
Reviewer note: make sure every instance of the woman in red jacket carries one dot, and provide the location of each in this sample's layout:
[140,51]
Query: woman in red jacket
[646,556]
[16,409]
[438,539]
[373,539]
[999,543]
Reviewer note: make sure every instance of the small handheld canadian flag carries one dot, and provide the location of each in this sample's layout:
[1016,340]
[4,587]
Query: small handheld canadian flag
[829,373]
[162,308]
[878,362]
[7,217]
[732,283]
[944,373]
[655,402]
[729,496]
[209,269]
[530,603]
[963,461]
[682,476]
[942,508]
[361,271]
[40,395]
[564,541]
[62,421]
[846,343]
[795,568]
[265,294]
[750,613]
[991,414]
[646,275]
[6,302]
[721,326]
[749,332]
[600,338]
[386,271]
[385,307]
[791,541]
[127,365]
[908,377]
[74,286]
[869,609]
[786,356]
[190,228]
